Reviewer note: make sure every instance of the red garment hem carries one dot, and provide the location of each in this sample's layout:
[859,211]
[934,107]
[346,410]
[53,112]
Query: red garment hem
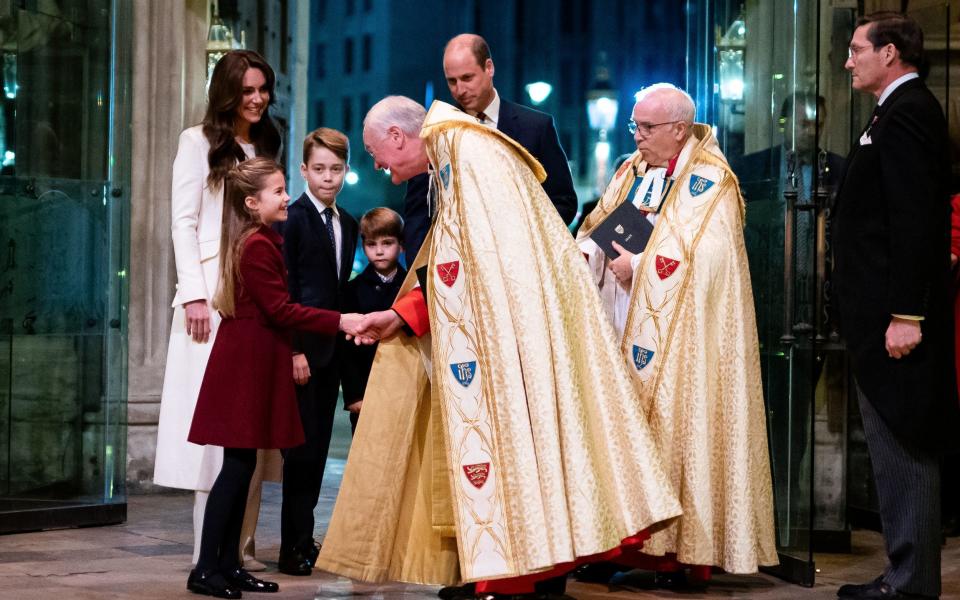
[525,583]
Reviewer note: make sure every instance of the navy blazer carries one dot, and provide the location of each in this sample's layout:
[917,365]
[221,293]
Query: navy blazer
[534,130]
[891,242]
[365,293]
[312,269]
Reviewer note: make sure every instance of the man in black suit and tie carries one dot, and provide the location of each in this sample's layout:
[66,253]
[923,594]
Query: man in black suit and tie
[892,276]
[319,240]
[469,69]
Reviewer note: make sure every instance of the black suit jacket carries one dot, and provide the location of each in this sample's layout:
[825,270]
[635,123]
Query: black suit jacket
[534,130]
[365,293]
[891,235]
[312,269]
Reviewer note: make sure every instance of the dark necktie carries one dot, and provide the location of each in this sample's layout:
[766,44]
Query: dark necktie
[874,117]
[328,221]
[481,116]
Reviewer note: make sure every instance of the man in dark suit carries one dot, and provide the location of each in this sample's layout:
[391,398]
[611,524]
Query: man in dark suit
[469,69]
[892,276]
[319,244]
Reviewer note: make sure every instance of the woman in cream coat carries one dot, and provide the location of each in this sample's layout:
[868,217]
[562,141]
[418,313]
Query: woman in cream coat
[237,126]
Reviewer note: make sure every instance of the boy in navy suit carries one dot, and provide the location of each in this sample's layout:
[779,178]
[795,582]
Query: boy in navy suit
[375,289]
[319,243]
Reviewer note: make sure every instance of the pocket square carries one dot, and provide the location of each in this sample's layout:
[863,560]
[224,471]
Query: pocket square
[865,140]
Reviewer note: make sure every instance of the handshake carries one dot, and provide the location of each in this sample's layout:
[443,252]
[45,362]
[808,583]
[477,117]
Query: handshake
[370,328]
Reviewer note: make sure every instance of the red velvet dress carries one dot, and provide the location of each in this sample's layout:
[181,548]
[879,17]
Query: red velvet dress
[247,398]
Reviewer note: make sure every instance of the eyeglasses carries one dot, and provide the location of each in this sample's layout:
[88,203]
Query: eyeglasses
[645,128]
[854,51]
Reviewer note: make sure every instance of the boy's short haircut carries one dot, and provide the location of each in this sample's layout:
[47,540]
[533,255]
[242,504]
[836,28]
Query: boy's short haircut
[381,222]
[331,139]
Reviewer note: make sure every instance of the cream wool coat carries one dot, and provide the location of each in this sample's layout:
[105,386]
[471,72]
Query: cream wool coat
[196,215]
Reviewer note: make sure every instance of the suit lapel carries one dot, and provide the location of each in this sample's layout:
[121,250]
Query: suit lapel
[507,118]
[318,227]
[346,242]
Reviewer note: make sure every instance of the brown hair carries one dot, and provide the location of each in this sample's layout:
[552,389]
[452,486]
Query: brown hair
[889,27]
[225,95]
[379,222]
[331,139]
[243,180]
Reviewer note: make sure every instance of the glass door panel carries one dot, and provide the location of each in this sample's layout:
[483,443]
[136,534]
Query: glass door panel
[63,224]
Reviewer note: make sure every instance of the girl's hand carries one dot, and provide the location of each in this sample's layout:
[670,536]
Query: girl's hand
[301,370]
[350,324]
[197,320]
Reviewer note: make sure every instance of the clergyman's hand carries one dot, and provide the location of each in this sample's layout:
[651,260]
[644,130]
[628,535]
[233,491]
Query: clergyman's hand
[379,325]
[903,335]
[197,320]
[622,266]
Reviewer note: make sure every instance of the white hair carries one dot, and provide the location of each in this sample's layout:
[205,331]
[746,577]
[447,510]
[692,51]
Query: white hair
[679,104]
[401,111]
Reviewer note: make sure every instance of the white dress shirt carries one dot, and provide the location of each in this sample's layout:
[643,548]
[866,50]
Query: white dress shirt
[895,84]
[492,111]
[337,234]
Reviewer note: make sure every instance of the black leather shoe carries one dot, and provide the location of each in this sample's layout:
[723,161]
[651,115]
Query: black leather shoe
[312,553]
[597,572]
[853,590]
[457,591]
[242,579]
[876,590]
[211,583]
[670,580]
[292,562]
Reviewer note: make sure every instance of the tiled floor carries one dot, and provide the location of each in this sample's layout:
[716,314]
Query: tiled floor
[149,558]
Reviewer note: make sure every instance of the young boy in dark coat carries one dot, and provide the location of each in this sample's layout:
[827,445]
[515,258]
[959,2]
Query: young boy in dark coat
[375,289]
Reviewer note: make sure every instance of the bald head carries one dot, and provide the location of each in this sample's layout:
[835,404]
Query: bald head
[468,69]
[664,117]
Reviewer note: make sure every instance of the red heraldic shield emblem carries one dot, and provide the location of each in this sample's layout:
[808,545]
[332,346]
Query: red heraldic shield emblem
[448,272]
[477,474]
[666,266]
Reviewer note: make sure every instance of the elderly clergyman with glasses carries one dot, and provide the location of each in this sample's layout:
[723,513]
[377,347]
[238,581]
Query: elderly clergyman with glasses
[684,308]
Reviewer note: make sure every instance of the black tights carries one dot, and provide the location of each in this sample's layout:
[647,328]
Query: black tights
[223,517]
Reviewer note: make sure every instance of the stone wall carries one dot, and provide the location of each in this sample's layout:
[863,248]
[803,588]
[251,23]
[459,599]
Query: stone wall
[169,78]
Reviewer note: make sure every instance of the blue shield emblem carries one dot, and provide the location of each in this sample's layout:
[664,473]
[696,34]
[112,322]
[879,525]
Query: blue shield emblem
[445,175]
[699,185]
[464,372]
[641,357]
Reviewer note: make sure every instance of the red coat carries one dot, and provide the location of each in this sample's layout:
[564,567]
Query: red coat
[247,399]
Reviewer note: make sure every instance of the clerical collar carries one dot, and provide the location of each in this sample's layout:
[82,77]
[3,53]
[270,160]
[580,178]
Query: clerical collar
[895,84]
[320,205]
[492,111]
[386,278]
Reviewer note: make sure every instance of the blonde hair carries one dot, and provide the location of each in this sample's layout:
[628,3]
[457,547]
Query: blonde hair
[245,179]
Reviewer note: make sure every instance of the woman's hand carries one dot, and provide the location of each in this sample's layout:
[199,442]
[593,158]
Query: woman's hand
[301,370]
[198,320]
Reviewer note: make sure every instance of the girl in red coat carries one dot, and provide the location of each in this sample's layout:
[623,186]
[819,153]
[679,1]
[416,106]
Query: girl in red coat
[247,399]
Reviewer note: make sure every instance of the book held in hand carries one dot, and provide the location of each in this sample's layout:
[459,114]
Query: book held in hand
[626,225]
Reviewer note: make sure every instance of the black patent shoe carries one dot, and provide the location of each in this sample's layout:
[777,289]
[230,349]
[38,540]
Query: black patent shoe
[295,563]
[211,583]
[242,579]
